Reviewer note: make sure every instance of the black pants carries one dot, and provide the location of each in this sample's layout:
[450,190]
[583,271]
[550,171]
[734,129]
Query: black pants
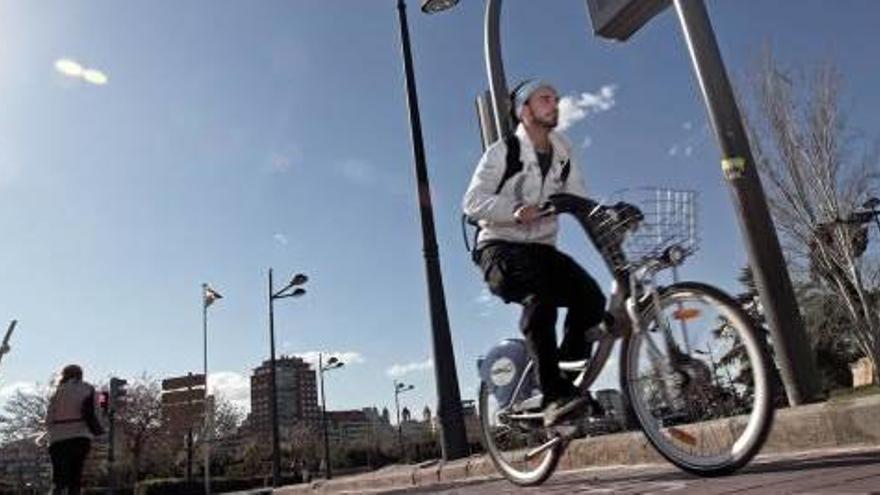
[543,279]
[68,458]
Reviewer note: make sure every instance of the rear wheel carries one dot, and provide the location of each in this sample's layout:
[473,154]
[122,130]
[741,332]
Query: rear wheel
[509,441]
[697,380]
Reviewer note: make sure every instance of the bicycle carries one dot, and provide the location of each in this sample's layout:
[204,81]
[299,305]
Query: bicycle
[702,399]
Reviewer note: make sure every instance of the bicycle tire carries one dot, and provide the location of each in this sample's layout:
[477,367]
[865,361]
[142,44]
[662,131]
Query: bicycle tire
[759,420]
[532,477]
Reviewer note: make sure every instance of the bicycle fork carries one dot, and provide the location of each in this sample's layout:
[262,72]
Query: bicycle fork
[644,292]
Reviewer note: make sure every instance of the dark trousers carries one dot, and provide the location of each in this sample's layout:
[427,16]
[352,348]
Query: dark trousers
[68,458]
[542,279]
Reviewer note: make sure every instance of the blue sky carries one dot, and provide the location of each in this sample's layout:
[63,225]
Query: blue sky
[235,136]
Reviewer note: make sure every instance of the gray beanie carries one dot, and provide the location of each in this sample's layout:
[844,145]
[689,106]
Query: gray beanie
[524,91]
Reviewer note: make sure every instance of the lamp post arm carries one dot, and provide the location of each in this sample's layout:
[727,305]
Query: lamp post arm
[495,69]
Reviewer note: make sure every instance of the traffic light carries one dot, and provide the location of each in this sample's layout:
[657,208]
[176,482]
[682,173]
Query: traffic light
[117,390]
[620,19]
[104,401]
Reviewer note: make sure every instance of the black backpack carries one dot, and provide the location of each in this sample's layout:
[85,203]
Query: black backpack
[512,167]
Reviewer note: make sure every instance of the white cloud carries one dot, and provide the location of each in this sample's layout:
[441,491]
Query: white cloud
[75,70]
[280,239]
[347,357]
[587,142]
[95,77]
[281,162]
[69,67]
[234,387]
[359,172]
[574,109]
[399,370]
[692,139]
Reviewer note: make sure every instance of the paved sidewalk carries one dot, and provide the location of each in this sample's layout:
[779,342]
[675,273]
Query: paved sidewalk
[847,471]
[830,424]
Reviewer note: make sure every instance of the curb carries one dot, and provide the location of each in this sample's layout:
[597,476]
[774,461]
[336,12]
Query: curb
[831,424]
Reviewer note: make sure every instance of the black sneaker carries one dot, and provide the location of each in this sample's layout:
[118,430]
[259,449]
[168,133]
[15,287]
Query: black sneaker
[560,408]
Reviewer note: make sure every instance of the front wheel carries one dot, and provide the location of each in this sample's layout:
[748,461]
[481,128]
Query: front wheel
[696,376]
[510,441]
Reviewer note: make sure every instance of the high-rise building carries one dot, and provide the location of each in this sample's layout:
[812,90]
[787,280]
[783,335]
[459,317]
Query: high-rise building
[297,395]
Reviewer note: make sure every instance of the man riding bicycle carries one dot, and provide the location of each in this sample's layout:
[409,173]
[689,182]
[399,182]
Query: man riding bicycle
[516,247]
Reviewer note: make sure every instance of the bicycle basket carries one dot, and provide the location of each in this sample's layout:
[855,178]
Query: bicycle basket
[668,218]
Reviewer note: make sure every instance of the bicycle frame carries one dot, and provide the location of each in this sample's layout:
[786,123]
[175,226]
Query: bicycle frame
[642,287]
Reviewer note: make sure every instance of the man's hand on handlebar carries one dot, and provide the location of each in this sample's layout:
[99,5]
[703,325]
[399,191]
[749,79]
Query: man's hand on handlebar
[628,211]
[528,214]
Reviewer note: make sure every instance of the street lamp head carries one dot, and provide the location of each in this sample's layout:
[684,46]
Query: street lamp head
[872,203]
[299,279]
[434,6]
[298,292]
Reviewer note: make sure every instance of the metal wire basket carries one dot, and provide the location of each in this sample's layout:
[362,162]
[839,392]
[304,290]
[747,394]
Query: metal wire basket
[662,218]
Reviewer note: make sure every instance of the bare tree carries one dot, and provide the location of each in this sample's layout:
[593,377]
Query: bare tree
[817,180]
[139,417]
[227,418]
[24,414]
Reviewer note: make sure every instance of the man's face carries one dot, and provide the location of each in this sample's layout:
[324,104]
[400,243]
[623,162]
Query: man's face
[542,108]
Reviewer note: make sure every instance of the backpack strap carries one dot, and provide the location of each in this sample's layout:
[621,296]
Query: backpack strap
[471,248]
[566,169]
[513,164]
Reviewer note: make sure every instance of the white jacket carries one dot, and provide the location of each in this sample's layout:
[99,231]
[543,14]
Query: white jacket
[494,212]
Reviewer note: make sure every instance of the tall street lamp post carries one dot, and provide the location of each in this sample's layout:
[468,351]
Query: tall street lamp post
[400,388]
[209,295]
[453,442]
[289,290]
[332,364]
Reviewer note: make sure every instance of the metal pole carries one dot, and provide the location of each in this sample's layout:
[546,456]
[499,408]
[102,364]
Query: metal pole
[206,434]
[189,454]
[796,361]
[399,430]
[111,455]
[273,393]
[324,418]
[486,119]
[495,69]
[454,444]
[4,347]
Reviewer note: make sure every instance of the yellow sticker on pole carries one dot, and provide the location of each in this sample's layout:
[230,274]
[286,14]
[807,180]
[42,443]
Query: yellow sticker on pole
[733,167]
